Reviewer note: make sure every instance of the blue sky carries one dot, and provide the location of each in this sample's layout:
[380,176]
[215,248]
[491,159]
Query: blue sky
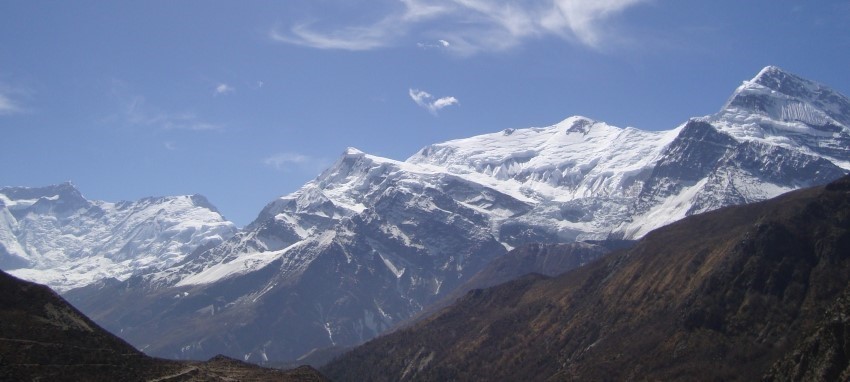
[246,101]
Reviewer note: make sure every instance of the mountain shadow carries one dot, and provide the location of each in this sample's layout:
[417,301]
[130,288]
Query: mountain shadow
[42,337]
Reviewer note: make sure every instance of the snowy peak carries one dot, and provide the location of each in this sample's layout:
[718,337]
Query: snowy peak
[520,144]
[60,198]
[804,90]
[574,158]
[201,201]
[786,97]
[578,125]
[352,152]
[66,189]
[780,109]
[779,80]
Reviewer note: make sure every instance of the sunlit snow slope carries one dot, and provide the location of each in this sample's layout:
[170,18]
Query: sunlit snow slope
[54,236]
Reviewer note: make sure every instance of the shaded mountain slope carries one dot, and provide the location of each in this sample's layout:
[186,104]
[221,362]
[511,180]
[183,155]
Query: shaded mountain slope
[534,258]
[545,259]
[823,355]
[718,296]
[42,337]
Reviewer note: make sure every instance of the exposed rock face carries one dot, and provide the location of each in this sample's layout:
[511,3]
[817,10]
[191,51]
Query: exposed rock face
[731,294]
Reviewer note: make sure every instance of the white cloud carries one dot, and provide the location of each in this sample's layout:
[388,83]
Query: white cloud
[170,145]
[439,44]
[470,25]
[223,89]
[428,102]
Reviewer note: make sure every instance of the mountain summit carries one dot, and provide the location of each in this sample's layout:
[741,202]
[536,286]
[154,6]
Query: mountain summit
[372,241]
[782,109]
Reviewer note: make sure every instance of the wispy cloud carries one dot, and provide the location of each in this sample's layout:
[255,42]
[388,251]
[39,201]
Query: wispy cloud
[289,161]
[222,89]
[170,145]
[429,102]
[134,110]
[138,112]
[467,26]
[350,38]
[584,18]
[8,104]
[439,44]
[281,161]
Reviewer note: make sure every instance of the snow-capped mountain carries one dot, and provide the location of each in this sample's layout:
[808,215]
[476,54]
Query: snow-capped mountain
[372,240]
[54,236]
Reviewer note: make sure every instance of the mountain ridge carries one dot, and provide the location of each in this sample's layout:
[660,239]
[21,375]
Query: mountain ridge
[372,241]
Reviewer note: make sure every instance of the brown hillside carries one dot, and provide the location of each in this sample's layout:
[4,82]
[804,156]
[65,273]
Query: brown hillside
[42,337]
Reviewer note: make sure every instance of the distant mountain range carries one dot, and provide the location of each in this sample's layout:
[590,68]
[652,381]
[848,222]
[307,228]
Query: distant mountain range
[55,236]
[743,293]
[372,241]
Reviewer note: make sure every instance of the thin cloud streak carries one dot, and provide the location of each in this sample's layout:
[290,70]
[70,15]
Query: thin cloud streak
[138,112]
[440,44]
[8,105]
[352,38]
[134,110]
[281,161]
[468,26]
[289,161]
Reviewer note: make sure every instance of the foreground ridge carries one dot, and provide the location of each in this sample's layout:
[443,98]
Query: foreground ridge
[43,338]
